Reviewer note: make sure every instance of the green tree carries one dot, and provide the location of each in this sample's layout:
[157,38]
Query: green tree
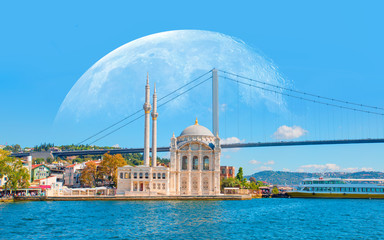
[275,190]
[229,182]
[17,175]
[38,161]
[240,174]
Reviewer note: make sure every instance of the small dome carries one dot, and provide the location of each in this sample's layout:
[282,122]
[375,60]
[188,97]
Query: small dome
[196,129]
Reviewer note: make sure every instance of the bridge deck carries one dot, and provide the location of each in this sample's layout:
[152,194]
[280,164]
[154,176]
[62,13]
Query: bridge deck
[236,145]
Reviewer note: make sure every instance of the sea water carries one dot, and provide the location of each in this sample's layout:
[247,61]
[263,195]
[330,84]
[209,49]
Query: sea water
[251,219]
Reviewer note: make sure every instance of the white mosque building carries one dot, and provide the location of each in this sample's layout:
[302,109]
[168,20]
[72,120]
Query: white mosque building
[194,165]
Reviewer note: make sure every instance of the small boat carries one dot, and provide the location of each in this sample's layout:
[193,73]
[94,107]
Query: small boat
[339,188]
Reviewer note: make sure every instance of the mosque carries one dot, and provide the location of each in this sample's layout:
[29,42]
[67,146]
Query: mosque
[194,162]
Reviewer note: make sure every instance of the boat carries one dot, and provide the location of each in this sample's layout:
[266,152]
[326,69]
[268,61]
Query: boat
[339,188]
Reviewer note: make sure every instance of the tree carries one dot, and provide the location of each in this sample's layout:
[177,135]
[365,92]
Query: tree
[275,190]
[17,175]
[230,182]
[109,165]
[240,175]
[38,161]
[252,179]
[89,175]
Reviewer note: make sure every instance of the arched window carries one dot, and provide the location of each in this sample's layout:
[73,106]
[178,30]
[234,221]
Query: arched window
[154,176]
[121,175]
[206,163]
[135,175]
[126,176]
[141,175]
[146,175]
[129,175]
[163,175]
[158,175]
[195,163]
[184,163]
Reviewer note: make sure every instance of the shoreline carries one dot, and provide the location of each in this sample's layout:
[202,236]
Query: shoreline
[134,198]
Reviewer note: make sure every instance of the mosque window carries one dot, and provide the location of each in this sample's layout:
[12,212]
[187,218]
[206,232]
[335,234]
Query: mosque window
[146,175]
[126,175]
[154,176]
[121,175]
[141,175]
[154,186]
[158,175]
[163,175]
[184,163]
[163,185]
[195,163]
[158,186]
[129,175]
[206,163]
[135,175]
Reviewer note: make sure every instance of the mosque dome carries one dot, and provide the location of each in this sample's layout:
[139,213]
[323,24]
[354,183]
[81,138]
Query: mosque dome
[196,130]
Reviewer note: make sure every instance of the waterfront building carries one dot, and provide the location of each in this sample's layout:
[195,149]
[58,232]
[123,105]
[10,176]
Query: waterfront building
[39,171]
[194,165]
[227,172]
[72,174]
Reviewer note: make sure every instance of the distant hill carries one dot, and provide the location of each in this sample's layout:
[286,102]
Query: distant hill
[294,178]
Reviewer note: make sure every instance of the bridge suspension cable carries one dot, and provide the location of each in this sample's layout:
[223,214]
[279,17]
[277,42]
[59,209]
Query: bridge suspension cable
[301,92]
[140,110]
[302,98]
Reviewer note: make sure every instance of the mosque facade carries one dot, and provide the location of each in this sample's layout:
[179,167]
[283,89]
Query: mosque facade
[194,167]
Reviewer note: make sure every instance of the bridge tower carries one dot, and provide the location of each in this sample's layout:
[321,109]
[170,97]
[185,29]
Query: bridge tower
[215,102]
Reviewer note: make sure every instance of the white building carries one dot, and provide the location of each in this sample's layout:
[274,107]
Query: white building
[194,167]
[72,174]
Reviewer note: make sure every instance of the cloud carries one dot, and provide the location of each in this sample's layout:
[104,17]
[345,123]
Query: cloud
[231,140]
[263,168]
[319,168]
[254,162]
[286,170]
[223,107]
[330,167]
[116,146]
[269,162]
[285,132]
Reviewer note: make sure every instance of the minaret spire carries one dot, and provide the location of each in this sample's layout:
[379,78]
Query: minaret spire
[147,110]
[154,128]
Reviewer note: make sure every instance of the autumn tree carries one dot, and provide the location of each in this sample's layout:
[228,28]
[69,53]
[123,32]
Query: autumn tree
[109,165]
[17,175]
[89,175]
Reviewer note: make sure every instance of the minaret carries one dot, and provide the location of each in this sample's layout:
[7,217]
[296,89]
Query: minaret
[154,129]
[147,110]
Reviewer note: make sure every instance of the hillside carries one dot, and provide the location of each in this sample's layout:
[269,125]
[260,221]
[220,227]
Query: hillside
[294,178]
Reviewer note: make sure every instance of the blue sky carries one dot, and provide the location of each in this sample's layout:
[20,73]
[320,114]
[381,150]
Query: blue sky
[328,48]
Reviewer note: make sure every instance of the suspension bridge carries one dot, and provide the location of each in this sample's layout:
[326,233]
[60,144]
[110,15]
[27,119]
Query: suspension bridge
[343,107]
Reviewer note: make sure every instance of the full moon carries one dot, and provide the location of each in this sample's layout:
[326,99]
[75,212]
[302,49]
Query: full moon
[114,86]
